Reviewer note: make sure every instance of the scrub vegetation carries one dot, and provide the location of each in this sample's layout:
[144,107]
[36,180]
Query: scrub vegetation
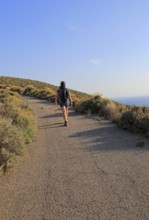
[17,126]
[37,89]
[132,118]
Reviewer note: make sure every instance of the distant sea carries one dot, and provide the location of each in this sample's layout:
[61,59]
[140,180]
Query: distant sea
[138,101]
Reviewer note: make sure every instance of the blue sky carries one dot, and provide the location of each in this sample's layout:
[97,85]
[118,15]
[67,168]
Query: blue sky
[94,45]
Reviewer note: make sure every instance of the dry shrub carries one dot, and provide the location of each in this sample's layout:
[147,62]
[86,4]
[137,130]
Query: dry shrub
[12,144]
[112,112]
[28,89]
[11,137]
[16,89]
[25,121]
[17,124]
[136,119]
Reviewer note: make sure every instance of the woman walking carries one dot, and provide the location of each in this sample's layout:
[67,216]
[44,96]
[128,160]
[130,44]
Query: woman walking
[63,97]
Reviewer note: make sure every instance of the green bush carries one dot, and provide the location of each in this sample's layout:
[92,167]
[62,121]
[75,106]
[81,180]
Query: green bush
[90,105]
[16,89]
[2,86]
[96,105]
[28,89]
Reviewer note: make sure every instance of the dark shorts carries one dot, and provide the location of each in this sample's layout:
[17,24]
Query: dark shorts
[64,103]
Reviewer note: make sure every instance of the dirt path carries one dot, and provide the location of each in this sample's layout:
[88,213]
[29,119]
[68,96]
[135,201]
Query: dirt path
[87,171]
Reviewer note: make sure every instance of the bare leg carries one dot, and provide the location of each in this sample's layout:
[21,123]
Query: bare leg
[65,113]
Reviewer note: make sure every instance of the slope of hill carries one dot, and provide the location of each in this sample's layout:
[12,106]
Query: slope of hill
[12,81]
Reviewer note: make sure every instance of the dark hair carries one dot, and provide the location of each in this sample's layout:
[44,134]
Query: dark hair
[63,85]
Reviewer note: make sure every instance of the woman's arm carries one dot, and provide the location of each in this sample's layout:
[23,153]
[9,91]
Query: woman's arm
[56,98]
[70,98]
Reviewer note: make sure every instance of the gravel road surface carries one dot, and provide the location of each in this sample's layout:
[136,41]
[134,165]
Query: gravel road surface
[90,170]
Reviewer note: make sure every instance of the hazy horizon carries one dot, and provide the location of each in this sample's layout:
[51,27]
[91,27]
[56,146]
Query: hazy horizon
[134,100]
[98,46]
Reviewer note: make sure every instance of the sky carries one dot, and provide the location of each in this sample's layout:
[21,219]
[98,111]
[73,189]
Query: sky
[95,46]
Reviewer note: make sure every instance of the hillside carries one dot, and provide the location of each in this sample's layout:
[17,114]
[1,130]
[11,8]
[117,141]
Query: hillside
[12,81]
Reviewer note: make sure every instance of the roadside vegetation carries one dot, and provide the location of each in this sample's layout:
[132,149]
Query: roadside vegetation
[132,118]
[17,126]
